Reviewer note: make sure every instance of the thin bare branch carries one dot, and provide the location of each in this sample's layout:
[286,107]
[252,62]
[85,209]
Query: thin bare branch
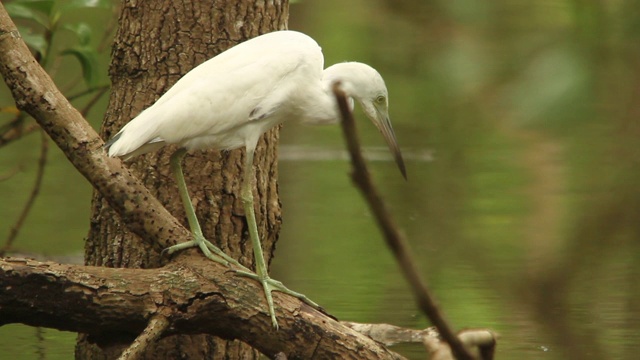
[17,133]
[156,327]
[393,237]
[88,91]
[15,128]
[390,334]
[481,342]
[42,163]
[101,91]
[11,173]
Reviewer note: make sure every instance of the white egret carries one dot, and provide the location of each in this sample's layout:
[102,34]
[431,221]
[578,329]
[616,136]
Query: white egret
[229,101]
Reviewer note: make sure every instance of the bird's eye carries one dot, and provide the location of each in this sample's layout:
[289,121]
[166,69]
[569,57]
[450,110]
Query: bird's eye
[381,99]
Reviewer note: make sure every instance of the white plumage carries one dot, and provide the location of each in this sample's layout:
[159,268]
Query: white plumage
[229,101]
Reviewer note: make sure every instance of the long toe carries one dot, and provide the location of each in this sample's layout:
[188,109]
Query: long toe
[185,245]
[279,286]
[269,285]
[209,250]
[217,251]
[276,285]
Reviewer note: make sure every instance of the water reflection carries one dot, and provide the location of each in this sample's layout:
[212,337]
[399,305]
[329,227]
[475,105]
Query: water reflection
[317,153]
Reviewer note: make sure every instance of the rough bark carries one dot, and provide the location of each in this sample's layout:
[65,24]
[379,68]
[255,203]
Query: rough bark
[157,43]
[194,298]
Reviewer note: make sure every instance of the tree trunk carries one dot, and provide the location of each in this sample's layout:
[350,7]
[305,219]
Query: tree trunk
[157,43]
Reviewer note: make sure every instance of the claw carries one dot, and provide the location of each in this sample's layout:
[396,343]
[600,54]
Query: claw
[209,250]
[269,285]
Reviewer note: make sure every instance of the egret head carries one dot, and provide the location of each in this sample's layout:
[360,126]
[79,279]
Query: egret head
[364,84]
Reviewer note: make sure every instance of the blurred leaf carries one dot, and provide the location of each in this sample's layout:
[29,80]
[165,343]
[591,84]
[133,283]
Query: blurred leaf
[83,4]
[36,42]
[87,58]
[551,86]
[43,6]
[82,31]
[20,10]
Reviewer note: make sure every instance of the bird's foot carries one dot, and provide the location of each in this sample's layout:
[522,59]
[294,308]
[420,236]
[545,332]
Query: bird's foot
[209,250]
[269,285]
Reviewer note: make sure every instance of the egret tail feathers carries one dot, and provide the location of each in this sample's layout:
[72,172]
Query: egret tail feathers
[135,138]
[113,140]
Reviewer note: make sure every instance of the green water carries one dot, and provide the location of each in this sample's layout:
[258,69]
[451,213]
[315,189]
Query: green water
[519,122]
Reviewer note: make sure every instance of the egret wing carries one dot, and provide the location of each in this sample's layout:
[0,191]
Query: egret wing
[247,82]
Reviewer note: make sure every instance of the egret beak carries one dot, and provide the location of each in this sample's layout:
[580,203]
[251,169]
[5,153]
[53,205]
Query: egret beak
[383,123]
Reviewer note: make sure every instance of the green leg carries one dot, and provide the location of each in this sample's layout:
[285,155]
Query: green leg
[210,251]
[261,274]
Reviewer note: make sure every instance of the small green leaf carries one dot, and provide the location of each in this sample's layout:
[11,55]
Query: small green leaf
[17,10]
[43,6]
[82,31]
[87,58]
[36,42]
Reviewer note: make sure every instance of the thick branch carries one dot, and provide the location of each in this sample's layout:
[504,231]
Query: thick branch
[196,299]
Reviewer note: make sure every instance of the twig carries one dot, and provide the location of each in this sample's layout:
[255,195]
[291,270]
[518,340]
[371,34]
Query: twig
[42,162]
[88,91]
[13,129]
[101,91]
[11,173]
[156,327]
[390,334]
[40,348]
[17,133]
[481,342]
[394,239]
